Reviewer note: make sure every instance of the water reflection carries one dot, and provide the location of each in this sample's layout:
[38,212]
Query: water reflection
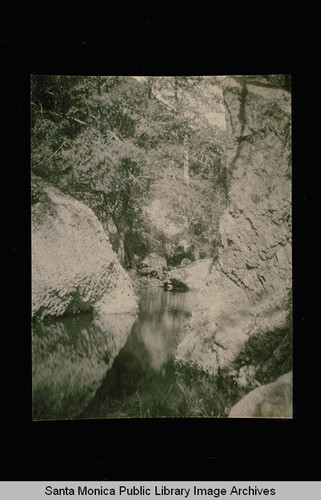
[143,372]
[69,360]
[159,321]
[93,367]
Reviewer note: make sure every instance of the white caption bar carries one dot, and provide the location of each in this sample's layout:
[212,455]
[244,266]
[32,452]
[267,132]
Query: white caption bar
[132,490]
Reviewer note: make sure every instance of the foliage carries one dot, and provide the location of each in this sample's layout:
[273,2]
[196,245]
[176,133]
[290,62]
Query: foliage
[270,352]
[107,140]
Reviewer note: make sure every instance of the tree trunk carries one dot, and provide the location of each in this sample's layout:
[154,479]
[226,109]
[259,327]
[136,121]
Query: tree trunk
[150,82]
[122,227]
[121,240]
[121,247]
[176,90]
[128,252]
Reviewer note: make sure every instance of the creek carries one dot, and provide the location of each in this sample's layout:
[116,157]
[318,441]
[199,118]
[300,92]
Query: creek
[114,366]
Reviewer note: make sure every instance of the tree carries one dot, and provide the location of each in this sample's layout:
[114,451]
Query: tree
[85,141]
[106,140]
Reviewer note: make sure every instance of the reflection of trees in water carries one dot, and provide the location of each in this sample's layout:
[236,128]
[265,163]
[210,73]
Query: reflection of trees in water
[70,358]
[159,301]
[144,366]
[158,334]
[130,377]
[129,368]
[161,317]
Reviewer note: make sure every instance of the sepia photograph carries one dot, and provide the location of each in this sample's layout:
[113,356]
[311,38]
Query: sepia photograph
[161,247]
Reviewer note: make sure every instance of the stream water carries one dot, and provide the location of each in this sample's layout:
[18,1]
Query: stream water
[115,366]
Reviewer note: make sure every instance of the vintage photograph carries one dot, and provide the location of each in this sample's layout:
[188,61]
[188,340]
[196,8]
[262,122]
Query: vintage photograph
[161,247]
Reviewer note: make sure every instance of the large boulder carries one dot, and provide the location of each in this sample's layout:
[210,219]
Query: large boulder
[273,400]
[153,264]
[248,291]
[193,274]
[73,265]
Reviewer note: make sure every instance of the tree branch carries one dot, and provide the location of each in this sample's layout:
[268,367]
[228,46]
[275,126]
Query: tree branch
[54,154]
[68,117]
[114,136]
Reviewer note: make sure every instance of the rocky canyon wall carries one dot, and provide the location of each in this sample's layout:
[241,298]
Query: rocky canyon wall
[242,321]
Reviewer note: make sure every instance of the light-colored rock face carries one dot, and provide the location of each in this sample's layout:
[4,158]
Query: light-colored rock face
[193,274]
[268,401]
[256,227]
[248,290]
[73,265]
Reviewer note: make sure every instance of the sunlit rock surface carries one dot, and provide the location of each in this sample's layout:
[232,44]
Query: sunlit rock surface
[249,288]
[194,274]
[70,359]
[273,400]
[73,265]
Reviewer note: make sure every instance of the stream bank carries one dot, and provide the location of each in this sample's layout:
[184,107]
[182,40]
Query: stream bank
[117,365]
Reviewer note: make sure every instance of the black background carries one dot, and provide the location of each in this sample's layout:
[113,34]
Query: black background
[216,38]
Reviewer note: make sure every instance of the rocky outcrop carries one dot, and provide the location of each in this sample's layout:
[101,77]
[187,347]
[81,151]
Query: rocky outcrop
[153,265]
[193,274]
[73,265]
[273,400]
[248,291]
[70,358]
